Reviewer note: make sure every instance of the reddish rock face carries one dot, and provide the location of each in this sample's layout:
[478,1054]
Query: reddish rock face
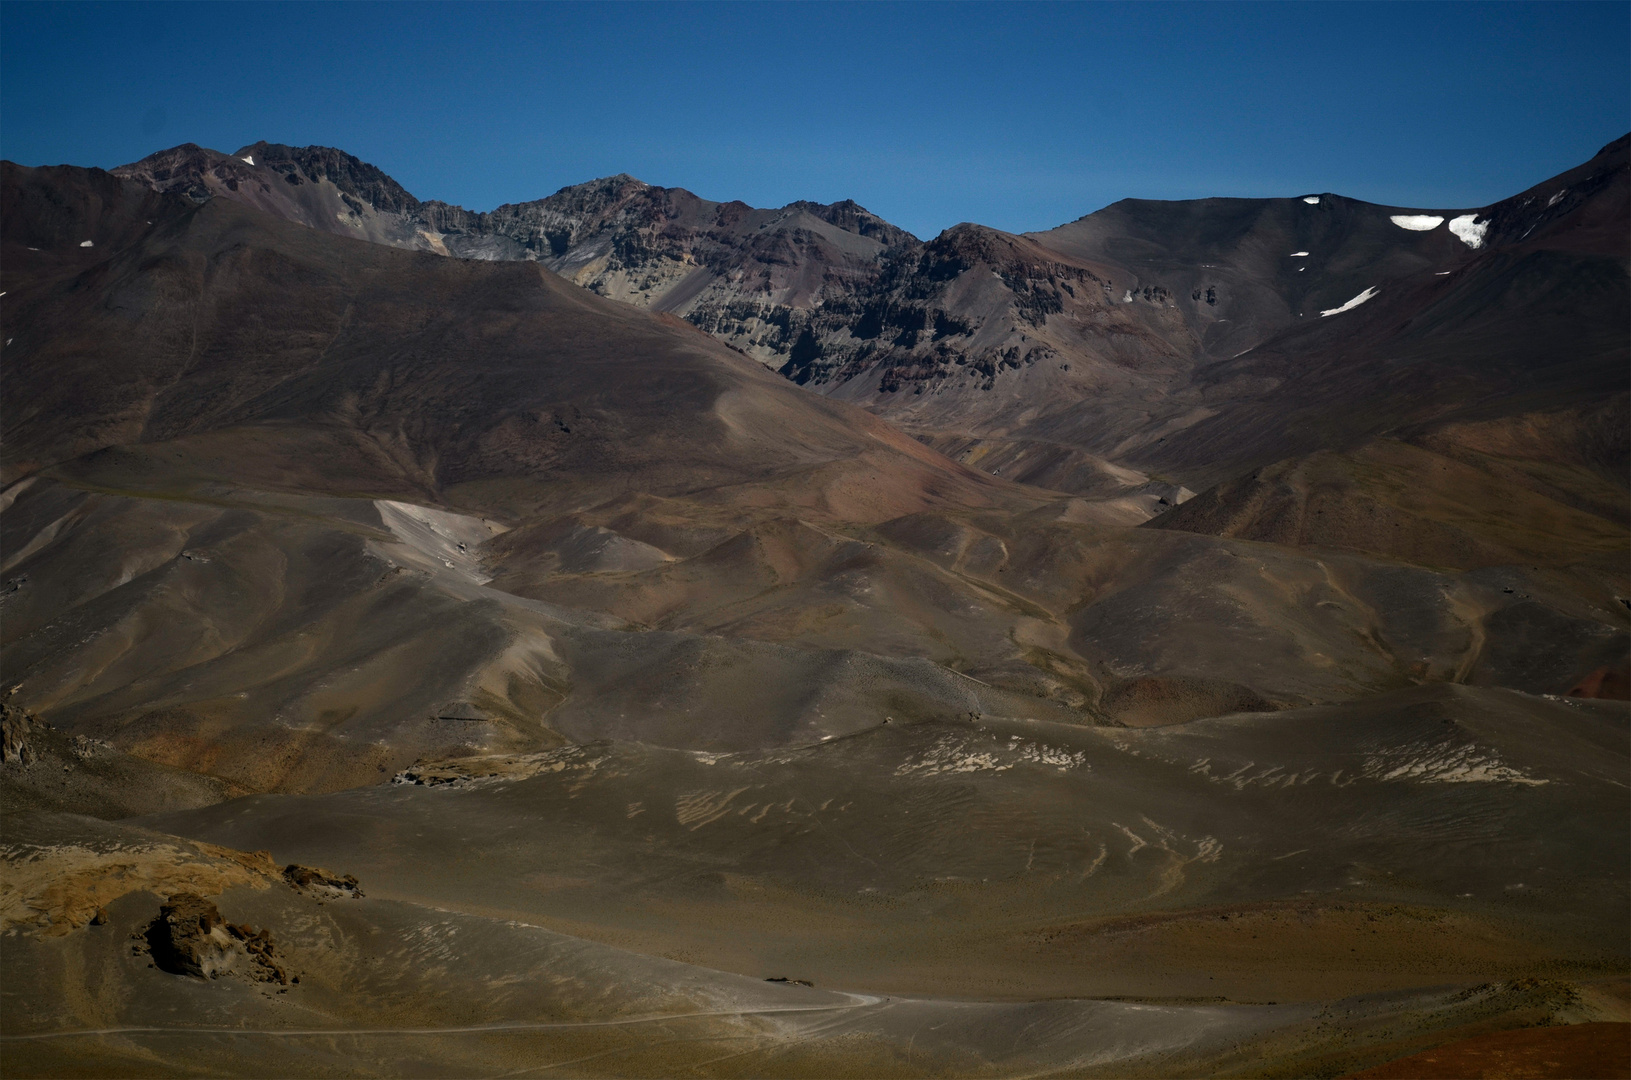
[1606,682]
[1573,1050]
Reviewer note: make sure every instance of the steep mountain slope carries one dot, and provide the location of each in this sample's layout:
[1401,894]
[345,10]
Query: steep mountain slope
[416,374]
[1532,319]
[319,187]
[1189,340]
[1253,267]
[1227,333]
[737,271]
[833,296]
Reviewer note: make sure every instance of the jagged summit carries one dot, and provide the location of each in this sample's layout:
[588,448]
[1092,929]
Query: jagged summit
[738,270]
[350,174]
[1111,336]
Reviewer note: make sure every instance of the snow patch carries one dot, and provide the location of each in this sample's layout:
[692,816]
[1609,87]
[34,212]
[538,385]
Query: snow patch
[1417,222]
[1351,304]
[248,159]
[1296,254]
[86,243]
[1469,230]
[1128,298]
[1445,765]
[1311,200]
[1555,199]
[952,754]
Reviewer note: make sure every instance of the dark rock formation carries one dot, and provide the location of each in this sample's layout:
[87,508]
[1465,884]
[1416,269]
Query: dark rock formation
[190,937]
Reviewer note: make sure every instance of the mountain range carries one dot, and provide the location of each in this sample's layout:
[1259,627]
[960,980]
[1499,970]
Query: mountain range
[1184,339]
[697,638]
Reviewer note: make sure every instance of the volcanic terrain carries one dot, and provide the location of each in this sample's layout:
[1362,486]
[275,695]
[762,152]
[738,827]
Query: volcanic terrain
[627,634]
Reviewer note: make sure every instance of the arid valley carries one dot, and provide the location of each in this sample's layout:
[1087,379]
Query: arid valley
[626,634]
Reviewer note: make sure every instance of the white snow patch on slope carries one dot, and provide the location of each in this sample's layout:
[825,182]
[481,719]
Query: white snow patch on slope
[1311,200]
[953,754]
[86,243]
[1469,230]
[248,159]
[1351,304]
[1445,765]
[1417,222]
[1296,254]
[1128,298]
[1555,199]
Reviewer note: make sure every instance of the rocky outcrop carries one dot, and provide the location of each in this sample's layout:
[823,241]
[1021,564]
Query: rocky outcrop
[15,727]
[353,176]
[190,937]
[741,270]
[315,881]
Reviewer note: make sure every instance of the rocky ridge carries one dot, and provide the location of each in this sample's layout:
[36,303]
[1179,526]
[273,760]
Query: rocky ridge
[190,937]
[741,271]
[1081,358]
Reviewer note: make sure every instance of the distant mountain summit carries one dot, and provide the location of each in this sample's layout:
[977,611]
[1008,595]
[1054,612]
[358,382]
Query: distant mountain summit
[737,271]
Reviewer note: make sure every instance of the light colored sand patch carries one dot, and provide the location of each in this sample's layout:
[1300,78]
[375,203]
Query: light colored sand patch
[1098,861]
[438,540]
[9,496]
[434,239]
[1180,851]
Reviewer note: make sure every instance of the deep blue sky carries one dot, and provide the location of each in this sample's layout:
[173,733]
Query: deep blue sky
[1021,116]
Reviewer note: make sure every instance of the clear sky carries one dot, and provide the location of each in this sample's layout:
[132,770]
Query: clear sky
[1021,116]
